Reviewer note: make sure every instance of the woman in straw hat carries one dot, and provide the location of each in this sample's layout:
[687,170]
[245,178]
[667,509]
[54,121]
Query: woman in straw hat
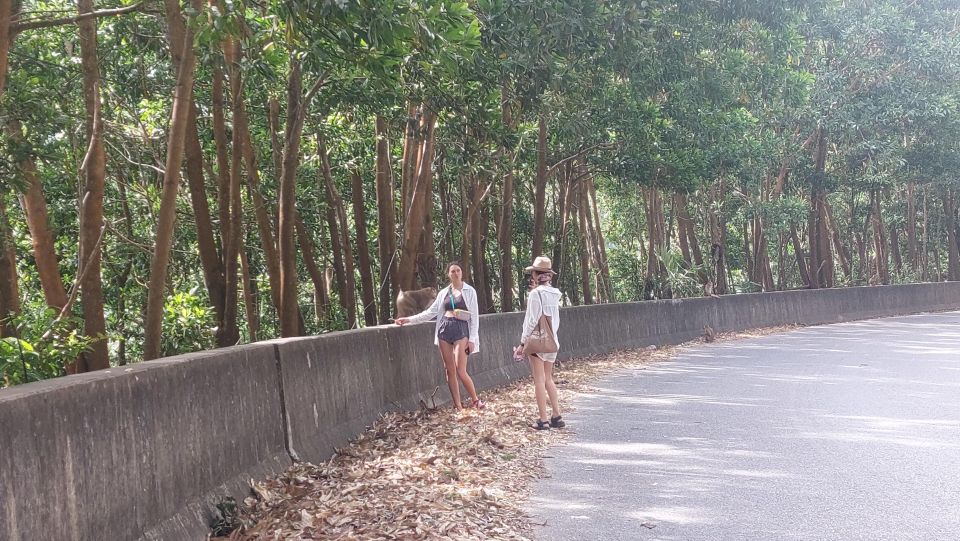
[544,299]
[457,332]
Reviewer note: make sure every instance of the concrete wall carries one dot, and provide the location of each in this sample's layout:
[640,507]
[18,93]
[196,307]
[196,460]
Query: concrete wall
[142,452]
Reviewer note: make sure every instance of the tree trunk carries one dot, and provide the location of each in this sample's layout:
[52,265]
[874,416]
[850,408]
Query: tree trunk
[580,202]
[336,248]
[718,246]
[911,228]
[249,297]
[35,208]
[950,219]
[262,212]
[9,289]
[842,253]
[540,187]
[565,203]
[289,313]
[366,272]
[387,222]
[320,290]
[230,332]
[168,200]
[412,147]
[801,256]
[895,249]
[91,210]
[679,209]
[419,207]
[879,239]
[7,13]
[348,293]
[604,267]
[821,256]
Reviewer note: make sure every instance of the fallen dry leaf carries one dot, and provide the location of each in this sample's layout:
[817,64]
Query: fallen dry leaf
[432,474]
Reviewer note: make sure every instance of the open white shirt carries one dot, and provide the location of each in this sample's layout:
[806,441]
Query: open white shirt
[542,300]
[442,304]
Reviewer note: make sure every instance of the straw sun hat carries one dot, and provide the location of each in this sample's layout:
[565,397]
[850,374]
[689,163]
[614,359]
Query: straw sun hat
[541,264]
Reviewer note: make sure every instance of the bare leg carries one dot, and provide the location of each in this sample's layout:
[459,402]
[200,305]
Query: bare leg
[551,388]
[460,351]
[450,365]
[536,369]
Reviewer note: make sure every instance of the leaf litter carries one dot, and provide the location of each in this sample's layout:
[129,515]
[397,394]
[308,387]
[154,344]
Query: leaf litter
[432,474]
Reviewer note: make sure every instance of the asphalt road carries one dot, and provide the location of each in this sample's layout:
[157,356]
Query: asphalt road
[848,431]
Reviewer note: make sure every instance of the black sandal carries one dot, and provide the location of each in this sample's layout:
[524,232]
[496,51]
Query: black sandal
[540,425]
[557,422]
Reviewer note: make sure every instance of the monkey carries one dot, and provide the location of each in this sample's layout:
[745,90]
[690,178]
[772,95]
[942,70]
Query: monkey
[709,335]
[410,303]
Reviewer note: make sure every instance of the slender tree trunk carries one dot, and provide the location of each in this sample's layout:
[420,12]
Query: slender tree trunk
[879,239]
[801,256]
[262,212]
[581,202]
[842,253]
[320,289]
[540,187]
[950,219]
[387,222]
[35,208]
[911,228]
[604,267]
[336,248]
[289,308]
[718,247]
[168,200]
[678,210]
[9,287]
[564,202]
[6,15]
[782,262]
[924,261]
[895,249]
[91,211]
[223,157]
[120,281]
[366,272]
[412,146]
[821,261]
[249,297]
[505,225]
[348,295]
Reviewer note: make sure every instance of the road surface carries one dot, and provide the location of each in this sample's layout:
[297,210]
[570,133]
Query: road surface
[848,431]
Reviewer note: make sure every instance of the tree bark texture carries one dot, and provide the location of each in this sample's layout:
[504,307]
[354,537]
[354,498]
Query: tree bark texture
[363,252]
[387,222]
[91,208]
[180,116]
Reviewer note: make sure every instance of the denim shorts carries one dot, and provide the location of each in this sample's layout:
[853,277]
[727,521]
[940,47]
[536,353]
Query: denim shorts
[453,329]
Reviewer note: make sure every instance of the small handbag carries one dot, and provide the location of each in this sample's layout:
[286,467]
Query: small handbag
[542,339]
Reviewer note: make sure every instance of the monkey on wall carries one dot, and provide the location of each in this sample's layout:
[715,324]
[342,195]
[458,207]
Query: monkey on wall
[413,302]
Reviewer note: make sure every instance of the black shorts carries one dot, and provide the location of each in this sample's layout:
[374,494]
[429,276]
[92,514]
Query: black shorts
[452,330]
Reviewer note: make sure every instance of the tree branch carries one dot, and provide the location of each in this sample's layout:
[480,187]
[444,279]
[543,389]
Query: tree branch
[47,23]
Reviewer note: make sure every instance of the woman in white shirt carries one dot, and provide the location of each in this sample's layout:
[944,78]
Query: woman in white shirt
[457,332]
[543,299]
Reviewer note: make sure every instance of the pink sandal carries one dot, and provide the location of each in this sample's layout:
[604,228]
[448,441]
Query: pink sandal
[479,404]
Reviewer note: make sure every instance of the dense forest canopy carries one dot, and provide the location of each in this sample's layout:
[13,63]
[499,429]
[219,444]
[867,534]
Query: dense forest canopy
[182,176]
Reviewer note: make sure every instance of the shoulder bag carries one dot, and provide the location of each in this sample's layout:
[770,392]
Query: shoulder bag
[542,339]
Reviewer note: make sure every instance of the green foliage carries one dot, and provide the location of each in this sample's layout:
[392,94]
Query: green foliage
[42,348]
[187,323]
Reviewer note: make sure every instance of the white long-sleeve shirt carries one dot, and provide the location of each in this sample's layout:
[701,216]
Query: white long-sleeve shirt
[442,304]
[550,305]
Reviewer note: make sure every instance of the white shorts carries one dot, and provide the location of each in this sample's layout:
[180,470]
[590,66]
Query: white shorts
[547,357]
